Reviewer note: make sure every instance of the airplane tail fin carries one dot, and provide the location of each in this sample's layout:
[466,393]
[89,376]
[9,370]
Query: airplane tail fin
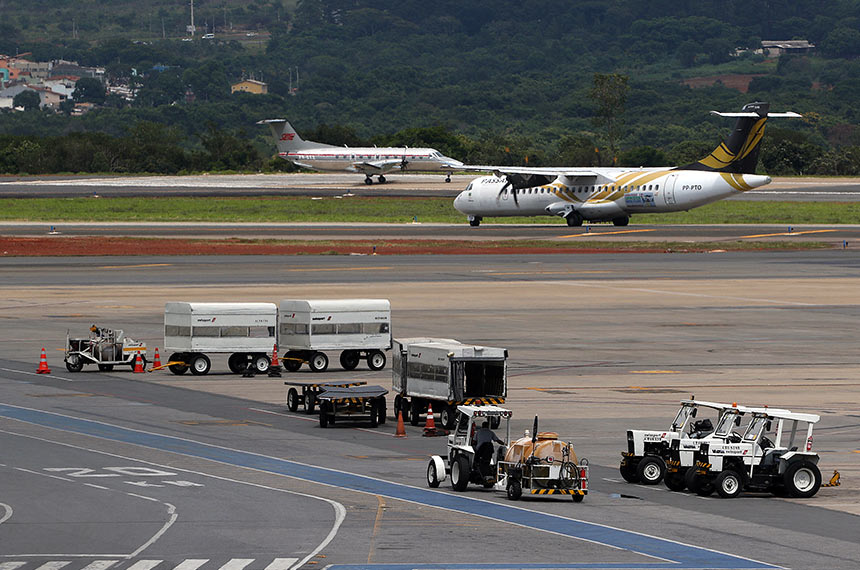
[286,137]
[739,154]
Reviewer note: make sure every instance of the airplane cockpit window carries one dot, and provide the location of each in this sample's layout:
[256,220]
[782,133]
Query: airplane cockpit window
[469,187]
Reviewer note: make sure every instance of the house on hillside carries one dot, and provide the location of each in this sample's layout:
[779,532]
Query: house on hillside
[786,47]
[8,94]
[250,86]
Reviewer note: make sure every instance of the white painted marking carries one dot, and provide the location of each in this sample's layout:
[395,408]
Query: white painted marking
[171,510]
[11,565]
[143,497]
[237,563]
[54,565]
[7,513]
[191,564]
[281,564]
[42,474]
[35,374]
[100,565]
[145,564]
[339,509]
[94,486]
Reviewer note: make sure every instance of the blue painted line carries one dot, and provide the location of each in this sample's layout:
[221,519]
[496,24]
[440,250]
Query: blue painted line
[676,554]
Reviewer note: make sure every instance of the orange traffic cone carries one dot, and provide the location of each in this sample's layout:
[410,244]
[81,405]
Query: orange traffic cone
[138,364]
[401,429]
[275,366]
[430,426]
[156,360]
[43,364]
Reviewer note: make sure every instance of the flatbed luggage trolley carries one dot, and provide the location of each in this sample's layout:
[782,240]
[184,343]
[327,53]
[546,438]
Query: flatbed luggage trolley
[353,403]
[310,392]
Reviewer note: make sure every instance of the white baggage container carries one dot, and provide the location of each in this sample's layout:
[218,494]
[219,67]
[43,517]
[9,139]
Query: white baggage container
[245,331]
[446,373]
[359,328]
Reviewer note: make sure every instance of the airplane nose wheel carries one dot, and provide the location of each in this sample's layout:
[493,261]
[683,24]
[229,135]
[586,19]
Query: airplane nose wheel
[448,178]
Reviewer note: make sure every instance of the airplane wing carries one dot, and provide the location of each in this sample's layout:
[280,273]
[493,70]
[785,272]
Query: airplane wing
[501,171]
[377,166]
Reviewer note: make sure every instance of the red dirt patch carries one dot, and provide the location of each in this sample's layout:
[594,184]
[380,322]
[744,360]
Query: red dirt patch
[120,246]
[739,81]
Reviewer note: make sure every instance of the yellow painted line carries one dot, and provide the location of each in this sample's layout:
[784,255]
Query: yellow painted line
[135,266]
[789,233]
[590,234]
[337,269]
[654,372]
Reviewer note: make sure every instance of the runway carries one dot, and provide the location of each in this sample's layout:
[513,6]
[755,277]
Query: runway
[334,184]
[599,344]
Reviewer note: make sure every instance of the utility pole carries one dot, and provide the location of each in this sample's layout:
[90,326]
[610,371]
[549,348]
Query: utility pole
[163,33]
[191,28]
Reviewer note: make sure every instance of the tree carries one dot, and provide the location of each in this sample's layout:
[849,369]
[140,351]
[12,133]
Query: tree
[90,90]
[28,99]
[609,91]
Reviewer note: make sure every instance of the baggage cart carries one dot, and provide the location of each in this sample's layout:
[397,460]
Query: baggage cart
[338,403]
[307,393]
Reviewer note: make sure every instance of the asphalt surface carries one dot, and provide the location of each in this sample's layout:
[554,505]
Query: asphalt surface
[335,184]
[157,471]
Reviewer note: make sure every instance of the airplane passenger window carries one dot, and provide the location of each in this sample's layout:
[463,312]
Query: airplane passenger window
[657,187]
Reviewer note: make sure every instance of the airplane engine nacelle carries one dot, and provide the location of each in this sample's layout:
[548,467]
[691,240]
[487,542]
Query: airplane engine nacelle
[559,209]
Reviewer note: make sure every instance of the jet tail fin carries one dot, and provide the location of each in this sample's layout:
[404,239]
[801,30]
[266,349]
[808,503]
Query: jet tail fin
[286,137]
[739,154]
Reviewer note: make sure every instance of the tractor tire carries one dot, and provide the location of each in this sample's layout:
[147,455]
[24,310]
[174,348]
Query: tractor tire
[515,490]
[292,400]
[729,484]
[349,359]
[432,475]
[802,479]
[75,363]
[460,472]
[651,470]
[675,481]
[105,367]
[697,484]
[628,472]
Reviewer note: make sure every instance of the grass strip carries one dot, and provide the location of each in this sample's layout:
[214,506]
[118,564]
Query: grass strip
[384,210]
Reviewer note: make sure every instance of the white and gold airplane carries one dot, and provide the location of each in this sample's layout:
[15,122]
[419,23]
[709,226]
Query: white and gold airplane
[614,194]
[370,161]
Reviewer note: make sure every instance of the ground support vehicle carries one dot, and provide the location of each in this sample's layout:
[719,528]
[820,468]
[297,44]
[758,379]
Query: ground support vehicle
[308,393]
[648,450]
[542,465]
[104,347]
[759,463]
[448,374]
[352,403]
[462,460]
[682,450]
[245,331]
[359,328]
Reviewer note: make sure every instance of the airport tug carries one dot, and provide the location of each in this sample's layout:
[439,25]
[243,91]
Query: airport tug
[537,464]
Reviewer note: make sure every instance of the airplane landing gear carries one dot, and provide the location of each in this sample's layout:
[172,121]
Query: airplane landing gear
[621,221]
[448,178]
[573,219]
[381,179]
[475,221]
[368,180]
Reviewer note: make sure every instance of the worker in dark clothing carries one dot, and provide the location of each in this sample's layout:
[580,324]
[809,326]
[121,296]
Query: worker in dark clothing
[96,330]
[484,439]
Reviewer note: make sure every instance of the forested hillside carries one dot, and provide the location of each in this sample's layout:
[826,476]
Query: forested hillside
[484,81]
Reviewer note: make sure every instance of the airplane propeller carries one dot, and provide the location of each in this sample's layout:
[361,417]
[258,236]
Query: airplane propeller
[403,163]
[509,184]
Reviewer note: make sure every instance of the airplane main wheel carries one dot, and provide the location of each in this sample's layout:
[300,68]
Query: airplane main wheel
[621,221]
[382,179]
[368,180]
[573,220]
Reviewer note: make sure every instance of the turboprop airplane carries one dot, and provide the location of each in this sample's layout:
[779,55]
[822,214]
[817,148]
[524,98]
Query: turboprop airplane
[370,161]
[614,194]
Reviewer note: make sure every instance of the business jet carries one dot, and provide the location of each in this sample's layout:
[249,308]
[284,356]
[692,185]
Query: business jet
[370,161]
[614,194]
